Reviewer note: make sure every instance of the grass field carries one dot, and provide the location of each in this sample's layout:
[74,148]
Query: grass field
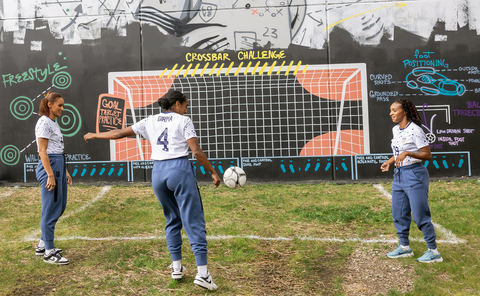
[302,239]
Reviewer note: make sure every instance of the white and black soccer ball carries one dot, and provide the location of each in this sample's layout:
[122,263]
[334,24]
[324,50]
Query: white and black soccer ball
[234,177]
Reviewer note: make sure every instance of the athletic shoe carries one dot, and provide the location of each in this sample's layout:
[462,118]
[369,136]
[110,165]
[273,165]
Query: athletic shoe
[205,282]
[40,251]
[177,273]
[430,257]
[54,257]
[400,253]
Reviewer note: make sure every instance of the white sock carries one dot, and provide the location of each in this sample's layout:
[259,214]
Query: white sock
[406,247]
[177,264]
[203,271]
[41,244]
[434,250]
[47,252]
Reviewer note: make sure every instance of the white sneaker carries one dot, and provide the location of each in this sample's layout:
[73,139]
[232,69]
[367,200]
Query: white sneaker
[54,257]
[177,274]
[206,283]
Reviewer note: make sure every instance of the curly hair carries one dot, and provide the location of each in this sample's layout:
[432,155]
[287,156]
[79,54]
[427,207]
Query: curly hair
[50,97]
[410,111]
[170,98]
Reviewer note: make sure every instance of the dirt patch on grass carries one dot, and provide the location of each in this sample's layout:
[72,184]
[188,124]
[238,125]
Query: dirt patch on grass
[276,272]
[369,273]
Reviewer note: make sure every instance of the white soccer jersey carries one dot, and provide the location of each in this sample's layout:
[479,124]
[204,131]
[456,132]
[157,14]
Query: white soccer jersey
[411,138]
[48,129]
[168,134]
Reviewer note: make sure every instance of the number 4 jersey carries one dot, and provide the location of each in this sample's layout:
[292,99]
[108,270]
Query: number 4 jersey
[168,134]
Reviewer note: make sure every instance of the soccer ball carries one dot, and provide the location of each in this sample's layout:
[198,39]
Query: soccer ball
[234,177]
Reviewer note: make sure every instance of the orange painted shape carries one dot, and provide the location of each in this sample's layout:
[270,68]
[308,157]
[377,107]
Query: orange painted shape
[351,143]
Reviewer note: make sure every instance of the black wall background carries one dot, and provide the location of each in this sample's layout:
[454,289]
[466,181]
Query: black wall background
[146,48]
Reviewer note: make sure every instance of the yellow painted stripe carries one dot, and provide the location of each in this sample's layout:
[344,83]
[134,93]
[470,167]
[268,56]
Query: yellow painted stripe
[204,69]
[255,69]
[305,69]
[230,68]
[180,70]
[238,69]
[248,67]
[163,72]
[220,69]
[263,68]
[281,66]
[271,68]
[296,69]
[173,69]
[213,69]
[186,71]
[195,70]
[288,69]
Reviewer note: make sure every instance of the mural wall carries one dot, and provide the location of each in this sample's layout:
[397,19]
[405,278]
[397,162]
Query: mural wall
[288,90]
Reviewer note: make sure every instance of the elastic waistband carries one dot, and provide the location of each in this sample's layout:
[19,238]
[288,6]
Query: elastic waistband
[56,155]
[410,166]
[178,158]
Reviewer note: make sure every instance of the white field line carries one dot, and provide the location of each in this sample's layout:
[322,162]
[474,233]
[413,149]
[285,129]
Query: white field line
[252,237]
[36,234]
[450,236]
[382,190]
[8,193]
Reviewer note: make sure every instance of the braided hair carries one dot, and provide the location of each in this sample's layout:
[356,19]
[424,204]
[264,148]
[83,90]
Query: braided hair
[170,98]
[50,97]
[410,111]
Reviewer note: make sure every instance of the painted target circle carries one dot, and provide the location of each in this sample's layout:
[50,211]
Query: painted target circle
[62,80]
[21,108]
[70,121]
[430,138]
[10,155]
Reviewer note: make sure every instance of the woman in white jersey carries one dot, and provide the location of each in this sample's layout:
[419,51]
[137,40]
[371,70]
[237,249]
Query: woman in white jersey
[173,179]
[52,174]
[410,181]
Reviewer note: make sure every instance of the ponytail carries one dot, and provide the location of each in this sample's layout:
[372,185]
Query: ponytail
[410,111]
[50,97]
[170,98]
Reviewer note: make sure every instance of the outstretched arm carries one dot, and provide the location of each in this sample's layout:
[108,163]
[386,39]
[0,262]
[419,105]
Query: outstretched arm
[202,158]
[110,135]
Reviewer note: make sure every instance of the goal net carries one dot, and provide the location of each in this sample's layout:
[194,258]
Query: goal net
[310,110]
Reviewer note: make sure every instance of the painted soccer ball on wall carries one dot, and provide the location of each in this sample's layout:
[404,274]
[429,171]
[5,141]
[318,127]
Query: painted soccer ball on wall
[234,177]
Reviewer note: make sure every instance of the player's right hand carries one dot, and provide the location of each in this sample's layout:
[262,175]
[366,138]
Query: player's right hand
[385,167]
[89,136]
[216,180]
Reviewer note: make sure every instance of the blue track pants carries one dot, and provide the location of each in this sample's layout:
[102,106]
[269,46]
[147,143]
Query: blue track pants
[175,185]
[53,202]
[410,196]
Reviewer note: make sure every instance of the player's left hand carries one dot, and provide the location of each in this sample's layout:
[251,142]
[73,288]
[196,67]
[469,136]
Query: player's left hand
[69,179]
[400,158]
[216,180]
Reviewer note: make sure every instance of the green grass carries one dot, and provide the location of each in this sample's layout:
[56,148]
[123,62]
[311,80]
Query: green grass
[240,265]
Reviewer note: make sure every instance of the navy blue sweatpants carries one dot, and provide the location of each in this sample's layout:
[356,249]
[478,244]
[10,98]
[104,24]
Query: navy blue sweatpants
[175,185]
[410,196]
[53,202]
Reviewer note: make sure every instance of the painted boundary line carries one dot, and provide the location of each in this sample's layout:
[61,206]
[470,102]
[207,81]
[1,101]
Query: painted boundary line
[251,237]
[450,236]
[8,193]
[36,234]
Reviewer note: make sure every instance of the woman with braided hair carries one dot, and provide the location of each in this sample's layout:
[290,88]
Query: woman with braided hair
[410,181]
